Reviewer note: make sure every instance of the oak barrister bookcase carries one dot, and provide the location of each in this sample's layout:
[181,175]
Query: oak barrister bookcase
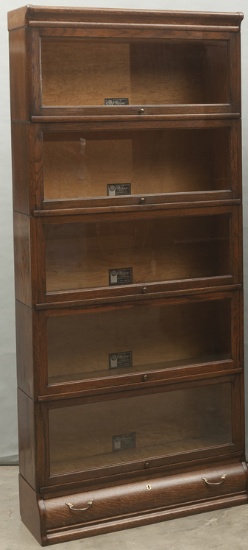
[128,259]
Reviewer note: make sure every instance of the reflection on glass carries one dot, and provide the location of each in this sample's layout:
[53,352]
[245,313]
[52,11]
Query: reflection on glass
[154,73]
[88,255]
[114,432]
[90,165]
[132,339]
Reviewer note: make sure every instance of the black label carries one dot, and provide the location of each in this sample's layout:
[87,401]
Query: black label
[124,441]
[120,276]
[120,360]
[117,189]
[116,101]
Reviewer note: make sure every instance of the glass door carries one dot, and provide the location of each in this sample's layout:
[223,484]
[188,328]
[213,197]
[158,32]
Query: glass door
[103,343]
[118,166]
[136,252]
[114,432]
[77,73]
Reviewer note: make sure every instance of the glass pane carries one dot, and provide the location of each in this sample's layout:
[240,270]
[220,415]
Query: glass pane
[133,339]
[113,164]
[87,73]
[107,254]
[113,432]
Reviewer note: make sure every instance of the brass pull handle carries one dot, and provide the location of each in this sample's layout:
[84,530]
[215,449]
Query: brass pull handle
[222,480]
[73,509]
[141,111]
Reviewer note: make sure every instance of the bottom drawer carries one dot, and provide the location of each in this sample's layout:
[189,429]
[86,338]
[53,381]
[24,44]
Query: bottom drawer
[138,499]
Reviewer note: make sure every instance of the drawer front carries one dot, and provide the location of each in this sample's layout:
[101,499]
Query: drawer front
[148,495]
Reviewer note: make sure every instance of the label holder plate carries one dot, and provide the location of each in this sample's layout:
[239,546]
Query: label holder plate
[120,276]
[120,360]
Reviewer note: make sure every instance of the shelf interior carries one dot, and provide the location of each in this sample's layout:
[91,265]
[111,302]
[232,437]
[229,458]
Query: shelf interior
[87,73]
[129,340]
[90,165]
[88,255]
[113,432]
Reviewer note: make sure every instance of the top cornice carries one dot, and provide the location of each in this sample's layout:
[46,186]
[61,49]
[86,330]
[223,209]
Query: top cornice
[40,16]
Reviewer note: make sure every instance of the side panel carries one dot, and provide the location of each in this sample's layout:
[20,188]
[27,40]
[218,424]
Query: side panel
[18,75]
[26,167]
[26,426]
[22,247]
[24,348]
[32,511]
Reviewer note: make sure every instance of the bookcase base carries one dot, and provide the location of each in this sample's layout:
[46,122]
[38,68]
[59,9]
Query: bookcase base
[69,517]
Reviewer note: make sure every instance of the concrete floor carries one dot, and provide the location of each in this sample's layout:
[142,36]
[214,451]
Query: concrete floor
[221,530]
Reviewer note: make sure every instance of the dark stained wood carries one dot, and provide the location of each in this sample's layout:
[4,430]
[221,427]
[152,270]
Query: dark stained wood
[17,18]
[55,513]
[22,247]
[238,418]
[138,294]
[19,75]
[178,142]
[127,499]
[235,81]
[236,159]
[134,204]
[32,511]
[202,113]
[144,519]
[27,167]
[198,209]
[31,350]
[27,439]
[29,280]
[20,168]
[96,14]
[24,346]
[39,14]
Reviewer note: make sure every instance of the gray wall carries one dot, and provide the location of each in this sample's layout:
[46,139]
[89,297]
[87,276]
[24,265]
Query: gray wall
[8,418]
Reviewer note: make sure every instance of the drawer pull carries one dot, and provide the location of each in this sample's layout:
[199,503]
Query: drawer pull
[222,480]
[73,509]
